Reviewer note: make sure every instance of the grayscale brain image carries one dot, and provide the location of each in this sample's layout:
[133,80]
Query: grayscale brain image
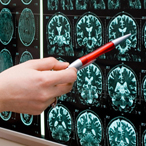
[88,33]
[144,138]
[59,36]
[26,27]
[67,4]
[26,2]
[122,88]
[6,115]
[59,122]
[89,84]
[89,129]
[121,25]
[26,119]
[144,88]
[5,2]
[121,132]
[25,56]
[6,26]
[5,60]
[81,4]
[53,4]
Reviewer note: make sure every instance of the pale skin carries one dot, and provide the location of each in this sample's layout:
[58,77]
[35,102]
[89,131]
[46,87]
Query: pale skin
[32,86]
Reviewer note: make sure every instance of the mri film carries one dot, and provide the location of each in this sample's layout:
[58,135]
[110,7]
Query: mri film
[144,138]
[5,60]
[26,2]
[5,115]
[5,2]
[89,129]
[59,122]
[145,35]
[89,84]
[121,25]
[25,56]
[53,4]
[82,4]
[67,4]
[26,119]
[121,132]
[59,36]
[97,4]
[26,27]
[144,88]
[114,4]
[6,26]
[122,88]
[88,33]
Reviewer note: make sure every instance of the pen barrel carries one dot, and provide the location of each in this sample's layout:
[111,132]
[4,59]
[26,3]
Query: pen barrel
[98,52]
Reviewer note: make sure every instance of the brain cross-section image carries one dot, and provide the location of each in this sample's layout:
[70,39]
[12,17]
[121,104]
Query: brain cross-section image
[89,129]
[26,2]
[59,36]
[88,33]
[144,138]
[97,4]
[131,4]
[145,34]
[59,122]
[25,56]
[82,4]
[26,119]
[114,4]
[26,27]
[67,4]
[5,60]
[120,26]
[53,4]
[5,2]
[122,88]
[5,115]
[6,26]
[89,84]
[144,88]
[121,132]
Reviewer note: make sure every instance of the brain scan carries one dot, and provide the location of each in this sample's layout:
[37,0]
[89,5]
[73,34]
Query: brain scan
[89,129]
[144,88]
[5,2]
[121,132]
[144,138]
[120,26]
[5,60]
[122,88]
[26,119]
[89,33]
[89,84]
[145,35]
[26,27]
[53,4]
[5,115]
[82,4]
[97,4]
[131,4]
[26,56]
[59,36]
[26,2]
[59,122]
[114,4]
[67,4]
[6,26]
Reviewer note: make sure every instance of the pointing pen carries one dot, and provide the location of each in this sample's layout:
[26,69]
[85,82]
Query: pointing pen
[91,57]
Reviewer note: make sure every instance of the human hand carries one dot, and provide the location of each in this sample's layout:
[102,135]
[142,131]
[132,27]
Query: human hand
[32,86]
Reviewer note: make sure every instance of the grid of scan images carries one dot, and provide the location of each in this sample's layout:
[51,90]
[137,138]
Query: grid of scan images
[19,42]
[107,105]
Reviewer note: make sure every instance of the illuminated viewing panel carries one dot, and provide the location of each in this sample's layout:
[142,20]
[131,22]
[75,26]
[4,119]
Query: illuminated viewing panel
[107,104]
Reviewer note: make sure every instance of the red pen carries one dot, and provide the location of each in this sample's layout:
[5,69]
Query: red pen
[91,57]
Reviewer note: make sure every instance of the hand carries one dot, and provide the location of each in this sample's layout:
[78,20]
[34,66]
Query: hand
[32,86]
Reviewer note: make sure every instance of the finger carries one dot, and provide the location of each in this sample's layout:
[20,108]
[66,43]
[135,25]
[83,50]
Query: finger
[60,77]
[47,64]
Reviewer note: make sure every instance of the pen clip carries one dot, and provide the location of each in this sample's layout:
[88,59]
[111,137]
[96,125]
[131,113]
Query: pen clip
[87,64]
